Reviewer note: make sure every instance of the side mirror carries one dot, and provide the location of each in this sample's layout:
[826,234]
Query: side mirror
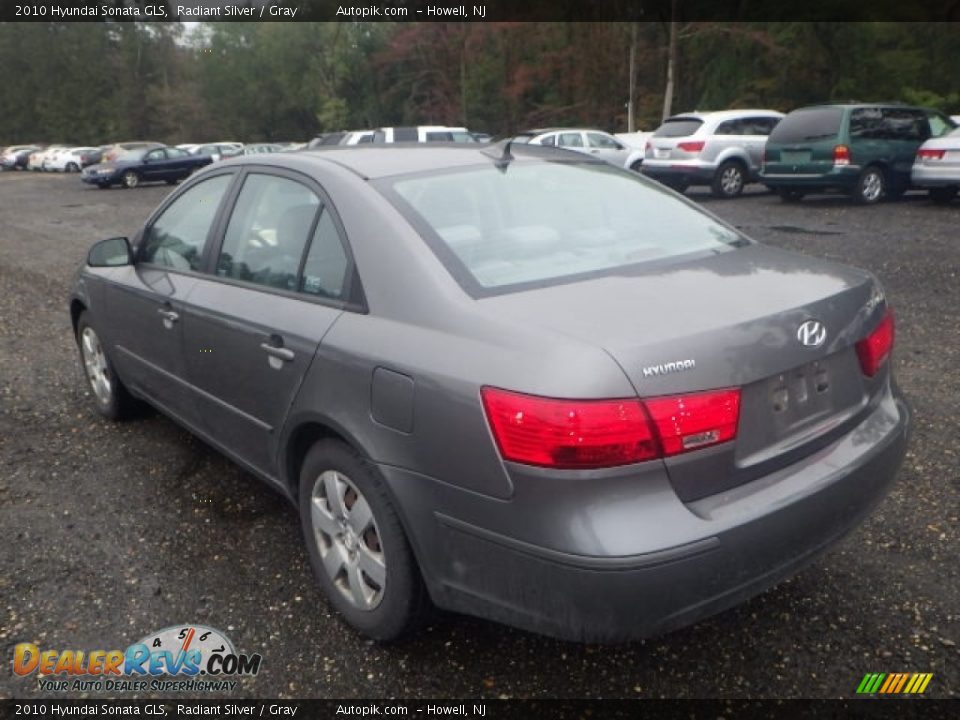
[112,252]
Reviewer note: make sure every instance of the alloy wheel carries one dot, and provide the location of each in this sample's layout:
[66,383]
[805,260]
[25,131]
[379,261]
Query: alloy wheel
[872,186]
[731,181]
[348,540]
[95,364]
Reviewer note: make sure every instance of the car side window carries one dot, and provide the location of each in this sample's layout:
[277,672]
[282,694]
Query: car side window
[177,237]
[599,140]
[758,125]
[904,124]
[866,124]
[549,140]
[729,127]
[938,125]
[325,270]
[155,155]
[175,153]
[570,140]
[268,231]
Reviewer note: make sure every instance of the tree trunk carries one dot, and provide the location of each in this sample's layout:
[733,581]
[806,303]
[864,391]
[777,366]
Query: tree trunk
[671,62]
[631,103]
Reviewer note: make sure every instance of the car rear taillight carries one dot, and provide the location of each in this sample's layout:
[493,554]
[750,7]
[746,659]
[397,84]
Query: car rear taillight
[875,348]
[689,422]
[693,146]
[841,155]
[584,434]
[928,154]
[568,433]
[648,146]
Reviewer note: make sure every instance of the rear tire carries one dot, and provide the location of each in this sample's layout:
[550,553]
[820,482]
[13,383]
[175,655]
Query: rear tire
[729,179]
[338,488]
[790,195]
[637,166]
[111,398]
[942,195]
[871,186]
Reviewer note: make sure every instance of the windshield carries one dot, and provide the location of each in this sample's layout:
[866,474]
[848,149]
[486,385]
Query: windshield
[545,221]
[678,127]
[808,124]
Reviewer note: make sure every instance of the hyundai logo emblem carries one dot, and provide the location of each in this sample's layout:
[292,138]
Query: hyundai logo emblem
[812,333]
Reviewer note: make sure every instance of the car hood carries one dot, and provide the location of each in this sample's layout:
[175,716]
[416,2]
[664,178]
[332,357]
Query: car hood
[735,315]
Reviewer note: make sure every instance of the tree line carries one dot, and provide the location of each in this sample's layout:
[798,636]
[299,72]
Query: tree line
[105,81]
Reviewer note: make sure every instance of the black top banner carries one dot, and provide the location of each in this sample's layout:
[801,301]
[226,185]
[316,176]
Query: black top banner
[476,10]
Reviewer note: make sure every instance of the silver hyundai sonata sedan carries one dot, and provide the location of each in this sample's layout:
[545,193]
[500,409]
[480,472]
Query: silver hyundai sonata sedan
[514,382]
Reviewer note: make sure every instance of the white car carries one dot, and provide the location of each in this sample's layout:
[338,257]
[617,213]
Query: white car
[585,140]
[422,133]
[637,142]
[68,160]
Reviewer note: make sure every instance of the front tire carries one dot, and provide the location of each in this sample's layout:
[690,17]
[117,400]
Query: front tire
[357,547]
[728,180]
[112,399]
[871,186]
[130,179]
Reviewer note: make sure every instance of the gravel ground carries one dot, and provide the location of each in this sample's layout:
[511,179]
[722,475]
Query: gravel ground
[117,530]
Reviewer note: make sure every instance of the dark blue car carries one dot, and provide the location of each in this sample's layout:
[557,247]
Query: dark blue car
[166,164]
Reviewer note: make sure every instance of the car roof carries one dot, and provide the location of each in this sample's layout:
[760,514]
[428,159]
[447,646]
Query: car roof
[723,114]
[388,159]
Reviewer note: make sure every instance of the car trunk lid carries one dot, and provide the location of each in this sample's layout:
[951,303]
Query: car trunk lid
[727,320]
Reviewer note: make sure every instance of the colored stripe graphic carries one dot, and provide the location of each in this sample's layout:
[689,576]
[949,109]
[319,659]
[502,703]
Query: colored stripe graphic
[894,683]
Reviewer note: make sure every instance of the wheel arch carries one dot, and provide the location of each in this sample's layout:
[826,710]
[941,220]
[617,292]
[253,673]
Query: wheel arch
[300,437]
[77,308]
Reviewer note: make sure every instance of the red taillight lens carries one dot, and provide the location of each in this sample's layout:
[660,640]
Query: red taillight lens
[925,154]
[605,433]
[689,422]
[841,155]
[692,146]
[568,433]
[648,146]
[874,349]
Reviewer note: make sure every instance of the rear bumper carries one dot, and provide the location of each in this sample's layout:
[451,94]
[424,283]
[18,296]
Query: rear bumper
[843,177]
[719,551]
[930,176]
[691,173]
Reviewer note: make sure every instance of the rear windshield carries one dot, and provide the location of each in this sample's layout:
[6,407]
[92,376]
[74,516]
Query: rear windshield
[808,125]
[547,222]
[678,127]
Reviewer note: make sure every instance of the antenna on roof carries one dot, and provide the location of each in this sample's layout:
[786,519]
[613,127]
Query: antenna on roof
[501,160]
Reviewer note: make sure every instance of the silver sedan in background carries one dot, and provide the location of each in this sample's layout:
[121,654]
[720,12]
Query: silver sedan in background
[937,167]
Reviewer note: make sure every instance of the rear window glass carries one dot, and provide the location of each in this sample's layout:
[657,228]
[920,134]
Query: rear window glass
[678,127]
[808,125]
[544,222]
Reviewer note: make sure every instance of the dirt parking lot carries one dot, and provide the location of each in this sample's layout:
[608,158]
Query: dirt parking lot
[115,530]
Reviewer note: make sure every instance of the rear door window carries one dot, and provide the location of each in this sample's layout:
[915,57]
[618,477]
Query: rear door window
[605,142]
[570,139]
[905,124]
[729,127]
[678,127]
[325,270]
[549,140]
[758,125]
[808,125]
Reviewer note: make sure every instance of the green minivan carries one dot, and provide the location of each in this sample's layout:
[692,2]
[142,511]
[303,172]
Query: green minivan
[864,150]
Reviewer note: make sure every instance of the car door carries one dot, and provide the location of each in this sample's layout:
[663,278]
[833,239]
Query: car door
[572,140]
[254,324]
[144,301]
[154,165]
[178,164]
[607,148]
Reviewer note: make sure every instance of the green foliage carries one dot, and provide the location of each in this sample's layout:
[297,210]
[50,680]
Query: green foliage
[100,82]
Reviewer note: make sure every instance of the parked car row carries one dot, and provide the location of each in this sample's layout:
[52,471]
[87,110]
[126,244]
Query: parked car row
[868,151]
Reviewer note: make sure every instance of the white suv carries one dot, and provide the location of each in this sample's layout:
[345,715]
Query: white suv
[721,149]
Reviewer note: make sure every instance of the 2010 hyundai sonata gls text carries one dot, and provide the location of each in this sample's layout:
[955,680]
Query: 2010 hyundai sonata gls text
[513,382]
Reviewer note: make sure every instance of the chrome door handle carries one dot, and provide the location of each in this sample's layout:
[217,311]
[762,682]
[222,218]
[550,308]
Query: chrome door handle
[278,352]
[169,315]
